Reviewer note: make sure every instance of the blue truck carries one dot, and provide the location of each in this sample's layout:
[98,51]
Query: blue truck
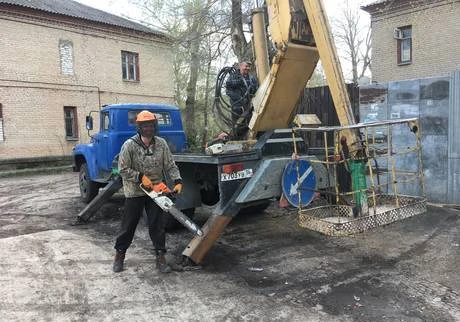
[247,177]
[96,160]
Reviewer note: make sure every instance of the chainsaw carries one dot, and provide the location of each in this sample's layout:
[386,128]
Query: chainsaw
[162,195]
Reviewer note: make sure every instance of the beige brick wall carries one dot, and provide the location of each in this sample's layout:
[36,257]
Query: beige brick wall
[34,120]
[435,44]
[33,91]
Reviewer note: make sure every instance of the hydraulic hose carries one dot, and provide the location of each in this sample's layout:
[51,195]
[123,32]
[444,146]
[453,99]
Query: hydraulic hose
[222,106]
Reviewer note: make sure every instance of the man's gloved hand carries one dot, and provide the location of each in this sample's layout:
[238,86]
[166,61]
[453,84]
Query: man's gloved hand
[161,188]
[146,182]
[178,188]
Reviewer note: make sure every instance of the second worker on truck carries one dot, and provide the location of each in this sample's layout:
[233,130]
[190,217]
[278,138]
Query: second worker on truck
[143,159]
[240,88]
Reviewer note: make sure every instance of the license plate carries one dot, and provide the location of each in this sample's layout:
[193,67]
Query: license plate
[246,173]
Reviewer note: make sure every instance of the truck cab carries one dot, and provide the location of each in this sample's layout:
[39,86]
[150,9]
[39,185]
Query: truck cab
[94,160]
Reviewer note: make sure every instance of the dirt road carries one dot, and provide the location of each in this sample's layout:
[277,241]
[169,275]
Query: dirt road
[264,268]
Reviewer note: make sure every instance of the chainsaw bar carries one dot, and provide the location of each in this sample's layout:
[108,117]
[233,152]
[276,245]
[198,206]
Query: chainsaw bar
[166,204]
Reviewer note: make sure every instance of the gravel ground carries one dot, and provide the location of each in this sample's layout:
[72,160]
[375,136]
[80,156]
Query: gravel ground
[264,268]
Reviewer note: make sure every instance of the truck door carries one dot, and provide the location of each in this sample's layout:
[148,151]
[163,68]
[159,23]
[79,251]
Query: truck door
[102,160]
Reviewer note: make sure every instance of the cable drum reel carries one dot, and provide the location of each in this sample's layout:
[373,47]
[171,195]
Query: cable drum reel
[299,183]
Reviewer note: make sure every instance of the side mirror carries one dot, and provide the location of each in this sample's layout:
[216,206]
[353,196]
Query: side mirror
[89,122]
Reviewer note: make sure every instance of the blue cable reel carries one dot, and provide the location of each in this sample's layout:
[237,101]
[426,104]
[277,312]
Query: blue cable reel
[299,180]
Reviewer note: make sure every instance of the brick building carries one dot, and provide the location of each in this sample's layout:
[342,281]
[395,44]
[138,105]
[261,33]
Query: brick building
[414,38]
[62,59]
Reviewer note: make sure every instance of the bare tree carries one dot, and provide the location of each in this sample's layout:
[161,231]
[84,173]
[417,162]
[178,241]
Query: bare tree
[202,32]
[240,46]
[198,28]
[353,37]
[197,17]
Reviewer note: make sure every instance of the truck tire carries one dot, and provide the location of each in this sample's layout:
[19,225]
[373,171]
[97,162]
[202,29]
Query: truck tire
[171,222]
[88,188]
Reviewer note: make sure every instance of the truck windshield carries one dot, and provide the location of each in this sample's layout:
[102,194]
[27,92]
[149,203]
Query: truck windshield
[164,118]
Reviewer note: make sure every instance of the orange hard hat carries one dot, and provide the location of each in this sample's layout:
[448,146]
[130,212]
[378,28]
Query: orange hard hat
[145,116]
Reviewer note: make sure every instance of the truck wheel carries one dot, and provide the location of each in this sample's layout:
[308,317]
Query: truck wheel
[88,188]
[171,222]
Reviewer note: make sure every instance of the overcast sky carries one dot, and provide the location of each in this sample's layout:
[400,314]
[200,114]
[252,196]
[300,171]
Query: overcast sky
[124,8]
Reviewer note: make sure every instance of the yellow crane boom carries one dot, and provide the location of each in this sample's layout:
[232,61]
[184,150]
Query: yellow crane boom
[302,36]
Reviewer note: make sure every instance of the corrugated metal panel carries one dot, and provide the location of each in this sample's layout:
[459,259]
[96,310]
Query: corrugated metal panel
[403,102]
[434,151]
[437,102]
[434,116]
[454,139]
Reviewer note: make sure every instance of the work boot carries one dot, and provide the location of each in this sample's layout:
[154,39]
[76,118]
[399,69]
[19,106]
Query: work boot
[118,262]
[162,266]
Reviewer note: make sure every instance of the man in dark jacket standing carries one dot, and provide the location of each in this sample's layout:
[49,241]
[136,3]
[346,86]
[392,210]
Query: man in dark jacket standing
[240,88]
[143,159]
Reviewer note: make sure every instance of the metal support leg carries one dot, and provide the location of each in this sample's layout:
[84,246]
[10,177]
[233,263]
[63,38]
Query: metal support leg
[213,228]
[101,198]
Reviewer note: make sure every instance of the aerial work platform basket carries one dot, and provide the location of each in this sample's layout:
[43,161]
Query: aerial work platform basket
[374,182]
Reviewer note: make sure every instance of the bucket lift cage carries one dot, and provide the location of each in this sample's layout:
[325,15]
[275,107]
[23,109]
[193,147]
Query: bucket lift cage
[396,143]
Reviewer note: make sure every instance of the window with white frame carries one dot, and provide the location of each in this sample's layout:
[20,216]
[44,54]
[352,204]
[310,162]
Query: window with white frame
[130,66]
[405,45]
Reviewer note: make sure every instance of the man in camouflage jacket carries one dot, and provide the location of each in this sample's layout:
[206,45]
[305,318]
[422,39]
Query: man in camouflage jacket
[143,159]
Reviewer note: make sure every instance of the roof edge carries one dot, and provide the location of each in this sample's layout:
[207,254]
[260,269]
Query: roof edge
[142,29]
[374,6]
